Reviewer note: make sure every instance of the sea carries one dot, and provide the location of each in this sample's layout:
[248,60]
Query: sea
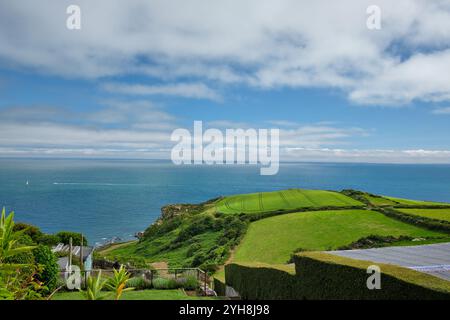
[106,199]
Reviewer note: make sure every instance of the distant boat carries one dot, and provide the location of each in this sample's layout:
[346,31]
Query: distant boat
[27,183]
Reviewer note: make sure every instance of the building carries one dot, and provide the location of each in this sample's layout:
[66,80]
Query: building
[63,250]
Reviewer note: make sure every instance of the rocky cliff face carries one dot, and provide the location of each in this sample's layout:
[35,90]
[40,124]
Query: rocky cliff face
[173,210]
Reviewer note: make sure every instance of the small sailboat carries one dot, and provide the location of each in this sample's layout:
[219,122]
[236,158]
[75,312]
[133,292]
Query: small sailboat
[27,183]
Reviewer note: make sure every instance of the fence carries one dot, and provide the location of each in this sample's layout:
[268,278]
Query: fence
[76,279]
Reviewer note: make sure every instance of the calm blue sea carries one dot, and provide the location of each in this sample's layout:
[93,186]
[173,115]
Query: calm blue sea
[108,198]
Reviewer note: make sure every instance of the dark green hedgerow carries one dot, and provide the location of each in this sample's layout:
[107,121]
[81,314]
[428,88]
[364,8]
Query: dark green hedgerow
[321,276]
[219,287]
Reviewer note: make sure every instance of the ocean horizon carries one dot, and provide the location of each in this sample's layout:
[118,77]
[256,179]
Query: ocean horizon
[106,198]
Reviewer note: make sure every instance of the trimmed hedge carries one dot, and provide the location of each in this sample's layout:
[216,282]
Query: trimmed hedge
[323,276]
[326,276]
[219,287]
[258,281]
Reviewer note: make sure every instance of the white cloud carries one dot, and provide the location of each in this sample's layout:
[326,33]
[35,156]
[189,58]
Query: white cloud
[444,110]
[186,90]
[261,43]
[368,155]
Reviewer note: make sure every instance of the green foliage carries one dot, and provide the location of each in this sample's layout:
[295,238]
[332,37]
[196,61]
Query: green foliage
[320,276]
[139,283]
[118,282]
[47,260]
[165,284]
[94,288]
[188,283]
[9,239]
[48,239]
[17,276]
[32,231]
[64,237]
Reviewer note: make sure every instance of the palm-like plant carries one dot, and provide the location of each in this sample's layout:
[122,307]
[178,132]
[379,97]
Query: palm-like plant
[118,282]
[94,288]
[9,246]
[14,283]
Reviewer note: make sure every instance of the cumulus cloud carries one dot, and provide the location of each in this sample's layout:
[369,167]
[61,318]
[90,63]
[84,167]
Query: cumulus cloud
[120,128]
[261,43]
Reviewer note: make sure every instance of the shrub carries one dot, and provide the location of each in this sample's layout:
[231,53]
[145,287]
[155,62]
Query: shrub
[322,276]
[48,239]
[165,284]
[193,249]
[32,231]
[139,283]
[64,237]
[49,275]
[199,259]
[188,283]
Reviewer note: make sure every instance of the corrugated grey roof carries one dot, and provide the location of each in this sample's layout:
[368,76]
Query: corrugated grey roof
[433,259]
[75,250]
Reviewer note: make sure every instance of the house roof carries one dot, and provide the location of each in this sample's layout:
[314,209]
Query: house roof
[65,248]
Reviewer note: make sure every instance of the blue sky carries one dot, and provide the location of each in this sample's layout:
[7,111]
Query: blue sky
[136,71]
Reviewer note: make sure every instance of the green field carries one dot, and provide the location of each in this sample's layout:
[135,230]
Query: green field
[439,214]
[274,239]
[283,200]
[416,202]
[133,295]
[380,201]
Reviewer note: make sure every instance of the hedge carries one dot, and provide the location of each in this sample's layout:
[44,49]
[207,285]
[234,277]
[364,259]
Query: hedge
[327,276]
[256,281]
[219,287]
[323,276]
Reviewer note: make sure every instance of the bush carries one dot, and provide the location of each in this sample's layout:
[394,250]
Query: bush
[165,284]
[32,231]
[139,283]
[193,249]
[188,283]
[50,270]
[322,276]
[64,237]
[48,239]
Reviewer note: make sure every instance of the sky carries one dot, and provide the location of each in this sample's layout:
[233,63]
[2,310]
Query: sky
[137,70]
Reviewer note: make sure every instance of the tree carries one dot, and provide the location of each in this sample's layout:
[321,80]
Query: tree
[46,259]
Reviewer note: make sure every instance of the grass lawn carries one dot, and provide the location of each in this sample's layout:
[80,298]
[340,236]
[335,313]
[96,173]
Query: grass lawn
[286,199]
[439,214]
[274,239]
[134,295]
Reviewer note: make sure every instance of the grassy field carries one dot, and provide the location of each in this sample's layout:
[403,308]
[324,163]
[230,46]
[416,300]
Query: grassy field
[283,200]
[159,249]
[439,214]
[274,239]
[134,295]
[380,201]
[416,202]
